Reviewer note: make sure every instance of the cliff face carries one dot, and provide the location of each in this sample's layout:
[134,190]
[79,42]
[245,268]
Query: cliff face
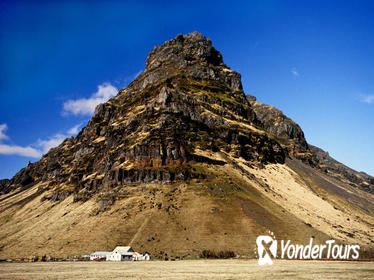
[180,161]
[186,99]
[287,132]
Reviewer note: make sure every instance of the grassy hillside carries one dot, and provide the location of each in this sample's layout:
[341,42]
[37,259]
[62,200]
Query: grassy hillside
[224,211]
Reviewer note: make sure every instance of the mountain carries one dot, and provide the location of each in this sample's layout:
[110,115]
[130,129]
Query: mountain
[181,161]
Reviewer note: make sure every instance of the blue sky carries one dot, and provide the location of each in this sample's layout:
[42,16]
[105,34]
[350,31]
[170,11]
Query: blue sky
[312,59]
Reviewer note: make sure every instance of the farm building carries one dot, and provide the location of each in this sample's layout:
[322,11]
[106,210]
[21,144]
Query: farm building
[124,249]
[139,257]
[121,253]
[99,255]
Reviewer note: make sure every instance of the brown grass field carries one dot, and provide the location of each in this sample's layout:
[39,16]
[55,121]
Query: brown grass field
[193,269]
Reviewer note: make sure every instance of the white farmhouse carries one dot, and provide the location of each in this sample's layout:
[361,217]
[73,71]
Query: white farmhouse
[121,253]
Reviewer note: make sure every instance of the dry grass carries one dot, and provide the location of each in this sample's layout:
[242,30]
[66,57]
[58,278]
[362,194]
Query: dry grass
[325,211]
[201,269]
[224,212]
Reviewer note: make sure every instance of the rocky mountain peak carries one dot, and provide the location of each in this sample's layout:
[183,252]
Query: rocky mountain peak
[191,55]
[184,50]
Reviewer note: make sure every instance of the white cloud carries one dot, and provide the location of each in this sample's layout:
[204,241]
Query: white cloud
[369,99]
[6,149]
[57,139]
[52,142]
[86,106]
[20,151]
[43,146]
[295,72]
[74,130]
[3,127]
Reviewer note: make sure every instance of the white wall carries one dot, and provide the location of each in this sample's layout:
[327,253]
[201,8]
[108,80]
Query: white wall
[114,257]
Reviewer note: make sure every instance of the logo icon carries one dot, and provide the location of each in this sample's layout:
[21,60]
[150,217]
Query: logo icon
[267,248]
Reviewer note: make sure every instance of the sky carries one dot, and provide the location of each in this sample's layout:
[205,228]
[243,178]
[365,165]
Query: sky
[314,60]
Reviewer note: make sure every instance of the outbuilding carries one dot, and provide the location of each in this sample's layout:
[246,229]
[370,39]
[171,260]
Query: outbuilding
[99,255]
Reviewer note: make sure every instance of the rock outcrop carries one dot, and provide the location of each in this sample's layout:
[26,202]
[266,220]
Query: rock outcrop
[3,185]
[286,131]
[291,137]
[341,172]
